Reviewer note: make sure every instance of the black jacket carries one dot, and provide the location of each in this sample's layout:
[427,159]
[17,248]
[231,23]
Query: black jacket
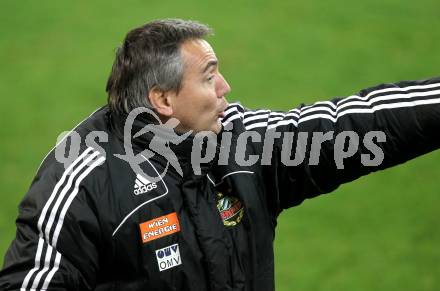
[99,225]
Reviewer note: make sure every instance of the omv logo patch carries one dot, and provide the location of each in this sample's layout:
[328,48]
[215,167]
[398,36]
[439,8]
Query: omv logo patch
[168,257]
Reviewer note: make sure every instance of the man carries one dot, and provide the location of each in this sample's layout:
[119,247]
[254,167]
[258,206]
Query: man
[112,219]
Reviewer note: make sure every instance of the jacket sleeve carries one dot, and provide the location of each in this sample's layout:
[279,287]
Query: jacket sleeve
[57,238]
[319,147]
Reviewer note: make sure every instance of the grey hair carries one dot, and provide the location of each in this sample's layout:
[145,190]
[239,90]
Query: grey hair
[150,57]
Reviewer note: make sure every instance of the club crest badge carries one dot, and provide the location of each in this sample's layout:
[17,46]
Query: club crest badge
[231,209]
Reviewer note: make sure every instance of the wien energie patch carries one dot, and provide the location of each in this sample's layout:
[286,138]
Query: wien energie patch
[159,227]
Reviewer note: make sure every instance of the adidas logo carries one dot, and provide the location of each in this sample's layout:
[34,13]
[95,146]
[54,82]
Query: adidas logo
[142,185]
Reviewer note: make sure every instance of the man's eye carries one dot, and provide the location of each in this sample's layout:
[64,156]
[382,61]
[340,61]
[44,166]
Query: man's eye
[210,78]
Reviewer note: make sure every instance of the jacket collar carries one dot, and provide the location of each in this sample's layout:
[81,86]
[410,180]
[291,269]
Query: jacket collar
[182,149]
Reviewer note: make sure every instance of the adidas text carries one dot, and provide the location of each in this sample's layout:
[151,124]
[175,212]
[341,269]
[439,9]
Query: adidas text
[145,188]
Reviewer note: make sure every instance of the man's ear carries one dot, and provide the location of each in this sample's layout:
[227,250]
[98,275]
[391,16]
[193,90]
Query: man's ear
[161,101]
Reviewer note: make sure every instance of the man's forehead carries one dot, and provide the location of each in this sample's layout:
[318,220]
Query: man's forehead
[197,53]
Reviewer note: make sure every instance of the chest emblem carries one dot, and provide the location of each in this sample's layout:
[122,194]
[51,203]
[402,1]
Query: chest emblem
[231,209]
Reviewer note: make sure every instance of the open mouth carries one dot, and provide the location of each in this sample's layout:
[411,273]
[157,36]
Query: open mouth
[222,113]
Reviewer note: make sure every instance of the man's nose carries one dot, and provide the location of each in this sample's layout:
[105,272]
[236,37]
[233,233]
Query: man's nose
[223,87]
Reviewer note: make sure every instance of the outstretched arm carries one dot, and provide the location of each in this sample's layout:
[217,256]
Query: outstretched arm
[319,147]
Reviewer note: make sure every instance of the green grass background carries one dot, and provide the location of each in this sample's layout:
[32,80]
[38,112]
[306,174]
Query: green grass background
[378,233]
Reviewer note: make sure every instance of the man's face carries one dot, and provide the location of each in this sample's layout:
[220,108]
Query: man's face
[200,103]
